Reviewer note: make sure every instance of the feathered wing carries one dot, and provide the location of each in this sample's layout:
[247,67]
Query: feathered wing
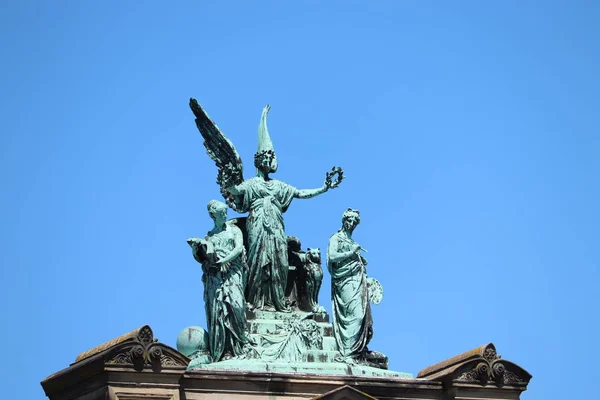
[222,152]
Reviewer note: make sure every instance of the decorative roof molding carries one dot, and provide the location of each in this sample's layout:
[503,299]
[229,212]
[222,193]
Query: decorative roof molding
[143,350]
[137,350]
[482,365]
[135,334]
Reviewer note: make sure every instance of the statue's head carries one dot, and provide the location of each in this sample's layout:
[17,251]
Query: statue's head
[265,161]
[350,219]
[217,210]
[314,255]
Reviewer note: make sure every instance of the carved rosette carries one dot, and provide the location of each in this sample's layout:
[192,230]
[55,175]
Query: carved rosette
[141,350]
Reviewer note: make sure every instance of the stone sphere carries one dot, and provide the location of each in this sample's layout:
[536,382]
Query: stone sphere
[192,339]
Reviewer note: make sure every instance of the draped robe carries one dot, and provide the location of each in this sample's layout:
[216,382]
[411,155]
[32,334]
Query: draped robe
[224,296]
[352,320]
[266,201]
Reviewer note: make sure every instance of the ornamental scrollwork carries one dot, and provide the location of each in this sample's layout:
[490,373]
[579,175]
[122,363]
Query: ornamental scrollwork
[489,368]
[143,350]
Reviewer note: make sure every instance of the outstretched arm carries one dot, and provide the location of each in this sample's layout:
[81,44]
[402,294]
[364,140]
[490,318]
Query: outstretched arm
[308,193]
[329,184]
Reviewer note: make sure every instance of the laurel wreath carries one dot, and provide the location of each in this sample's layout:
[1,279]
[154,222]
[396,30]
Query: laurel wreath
[329,177]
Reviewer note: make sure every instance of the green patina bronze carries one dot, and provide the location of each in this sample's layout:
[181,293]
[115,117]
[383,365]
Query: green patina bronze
[265,199]
[352,320]
[223,260]
[261,288]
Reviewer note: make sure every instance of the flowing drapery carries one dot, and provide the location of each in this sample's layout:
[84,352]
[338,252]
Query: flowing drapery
[352,320]
[266,201]
[224,297]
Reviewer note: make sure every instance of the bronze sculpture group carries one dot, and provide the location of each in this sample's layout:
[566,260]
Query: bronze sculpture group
[250,265]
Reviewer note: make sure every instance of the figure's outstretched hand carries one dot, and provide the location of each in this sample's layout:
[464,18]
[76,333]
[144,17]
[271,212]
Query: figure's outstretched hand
[329,182]
[331,185]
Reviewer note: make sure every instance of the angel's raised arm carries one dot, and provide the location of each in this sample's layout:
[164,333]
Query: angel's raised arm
[308,193]
[329,184]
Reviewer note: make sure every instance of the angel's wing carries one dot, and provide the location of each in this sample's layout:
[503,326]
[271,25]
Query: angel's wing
[221,151]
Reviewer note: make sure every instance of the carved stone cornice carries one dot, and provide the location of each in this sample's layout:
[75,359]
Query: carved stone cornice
[133,335]
[143,351]
[136,350]
[481,366]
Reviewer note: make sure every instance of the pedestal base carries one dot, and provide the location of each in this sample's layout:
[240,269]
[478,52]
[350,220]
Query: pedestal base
[330,368]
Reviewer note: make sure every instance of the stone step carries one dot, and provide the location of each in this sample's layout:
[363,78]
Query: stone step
[320,356]
[251,315]
[295,367]
[270,326]
[317,356]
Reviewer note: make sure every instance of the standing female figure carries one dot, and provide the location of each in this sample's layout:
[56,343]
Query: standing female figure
[223,260]
[352,321]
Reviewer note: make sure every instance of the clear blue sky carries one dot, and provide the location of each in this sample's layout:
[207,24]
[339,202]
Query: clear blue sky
[469,133]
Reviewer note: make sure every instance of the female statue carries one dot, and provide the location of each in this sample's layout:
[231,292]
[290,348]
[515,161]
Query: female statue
[265,199]
[352,321]
[223,260]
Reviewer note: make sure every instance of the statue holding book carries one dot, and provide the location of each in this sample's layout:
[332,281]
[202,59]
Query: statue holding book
[223,257]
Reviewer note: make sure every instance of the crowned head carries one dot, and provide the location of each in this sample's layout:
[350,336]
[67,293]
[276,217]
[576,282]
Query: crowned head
[265,159]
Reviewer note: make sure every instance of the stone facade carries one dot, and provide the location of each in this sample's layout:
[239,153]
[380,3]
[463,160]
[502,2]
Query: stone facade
[135,366]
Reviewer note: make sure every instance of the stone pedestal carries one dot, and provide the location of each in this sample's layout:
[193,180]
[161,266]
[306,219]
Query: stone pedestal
[135,366]
[321,358]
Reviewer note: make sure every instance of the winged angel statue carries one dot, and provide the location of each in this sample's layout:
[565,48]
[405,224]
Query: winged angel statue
[265,199]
